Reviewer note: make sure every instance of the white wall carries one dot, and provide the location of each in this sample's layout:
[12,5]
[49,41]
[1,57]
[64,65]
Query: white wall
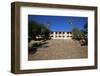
[5,42]
[56,36]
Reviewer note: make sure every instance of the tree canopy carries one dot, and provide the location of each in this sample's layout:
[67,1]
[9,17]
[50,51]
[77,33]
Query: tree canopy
[77,34]
[81,35]
[35,29]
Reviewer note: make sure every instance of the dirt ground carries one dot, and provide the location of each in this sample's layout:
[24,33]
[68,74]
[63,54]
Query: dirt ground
[59,49]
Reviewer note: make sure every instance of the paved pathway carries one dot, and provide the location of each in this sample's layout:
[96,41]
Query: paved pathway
[59,49]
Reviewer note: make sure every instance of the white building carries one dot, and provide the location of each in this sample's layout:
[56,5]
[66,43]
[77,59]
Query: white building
[61,35]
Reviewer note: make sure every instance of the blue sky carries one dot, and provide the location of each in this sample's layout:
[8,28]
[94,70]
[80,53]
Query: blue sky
[60,23]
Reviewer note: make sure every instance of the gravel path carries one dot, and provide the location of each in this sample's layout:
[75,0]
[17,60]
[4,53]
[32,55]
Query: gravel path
[59,49]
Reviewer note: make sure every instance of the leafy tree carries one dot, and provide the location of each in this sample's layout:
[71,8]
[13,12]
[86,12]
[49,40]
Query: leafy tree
[35,30]
[85,32]
[77,34]
[45,33]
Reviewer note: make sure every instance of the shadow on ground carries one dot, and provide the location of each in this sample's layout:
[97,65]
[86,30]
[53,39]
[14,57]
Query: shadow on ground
[35,46]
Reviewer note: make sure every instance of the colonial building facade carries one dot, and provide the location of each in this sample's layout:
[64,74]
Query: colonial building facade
[61,35]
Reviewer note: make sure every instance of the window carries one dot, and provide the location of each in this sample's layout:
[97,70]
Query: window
[56,36]
[59,32]
[51,32]
[70,32]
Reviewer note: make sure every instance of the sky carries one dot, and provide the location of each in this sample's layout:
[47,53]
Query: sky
[60,23]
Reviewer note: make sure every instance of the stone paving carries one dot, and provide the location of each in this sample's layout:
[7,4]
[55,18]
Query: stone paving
[59,49]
